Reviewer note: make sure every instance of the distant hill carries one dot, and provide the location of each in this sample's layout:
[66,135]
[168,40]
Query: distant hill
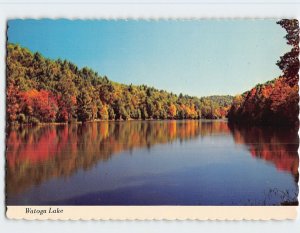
[44,90]
[221,100]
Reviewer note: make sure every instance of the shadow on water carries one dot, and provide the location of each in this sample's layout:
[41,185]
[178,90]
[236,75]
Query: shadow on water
[276,145]
[37,154]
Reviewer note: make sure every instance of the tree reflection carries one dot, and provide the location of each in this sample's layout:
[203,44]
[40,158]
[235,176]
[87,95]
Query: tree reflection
[36,154]
[276,145]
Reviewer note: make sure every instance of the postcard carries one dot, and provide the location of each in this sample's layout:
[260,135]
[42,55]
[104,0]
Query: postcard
[152,119]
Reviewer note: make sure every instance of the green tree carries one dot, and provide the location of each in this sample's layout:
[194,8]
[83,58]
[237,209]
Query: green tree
[84,103]
[70,93]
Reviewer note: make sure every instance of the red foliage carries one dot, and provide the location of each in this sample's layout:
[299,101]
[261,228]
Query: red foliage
[40,104]
[65,106]
[275,102]
[276,146]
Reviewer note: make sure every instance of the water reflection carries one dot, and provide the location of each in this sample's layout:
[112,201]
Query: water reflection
[37,154]
[276,145]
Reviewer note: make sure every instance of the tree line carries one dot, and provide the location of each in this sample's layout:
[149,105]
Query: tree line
[45,90]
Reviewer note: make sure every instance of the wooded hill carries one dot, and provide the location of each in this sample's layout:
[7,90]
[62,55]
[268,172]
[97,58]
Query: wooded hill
[45,90]
[272,103]
[275,102]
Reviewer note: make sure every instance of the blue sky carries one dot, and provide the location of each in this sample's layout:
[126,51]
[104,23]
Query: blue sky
[195,57]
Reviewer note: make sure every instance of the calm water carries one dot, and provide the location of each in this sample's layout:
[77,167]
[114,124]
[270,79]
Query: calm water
[152,163]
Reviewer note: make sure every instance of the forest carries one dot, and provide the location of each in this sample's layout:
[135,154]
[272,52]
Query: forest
[274,102]
[41,90]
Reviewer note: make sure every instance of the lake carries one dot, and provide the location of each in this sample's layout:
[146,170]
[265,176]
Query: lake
[188,162]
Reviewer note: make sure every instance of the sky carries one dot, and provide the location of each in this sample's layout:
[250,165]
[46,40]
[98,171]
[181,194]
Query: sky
[194,57]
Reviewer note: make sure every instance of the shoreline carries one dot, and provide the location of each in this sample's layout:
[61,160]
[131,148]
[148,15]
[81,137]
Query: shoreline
[98,120]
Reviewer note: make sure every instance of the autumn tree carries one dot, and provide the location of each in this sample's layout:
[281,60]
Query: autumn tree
[12,102]
[40,89]
[84,110]
[103,113]
[172,111]
[274,102]
[289,62]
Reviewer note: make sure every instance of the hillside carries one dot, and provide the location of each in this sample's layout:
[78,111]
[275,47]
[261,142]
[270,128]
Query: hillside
[44,90]
[274,102]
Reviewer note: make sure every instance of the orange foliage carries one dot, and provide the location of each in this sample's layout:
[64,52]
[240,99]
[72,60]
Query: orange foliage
[40,104]
[172,111]
[275,102]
